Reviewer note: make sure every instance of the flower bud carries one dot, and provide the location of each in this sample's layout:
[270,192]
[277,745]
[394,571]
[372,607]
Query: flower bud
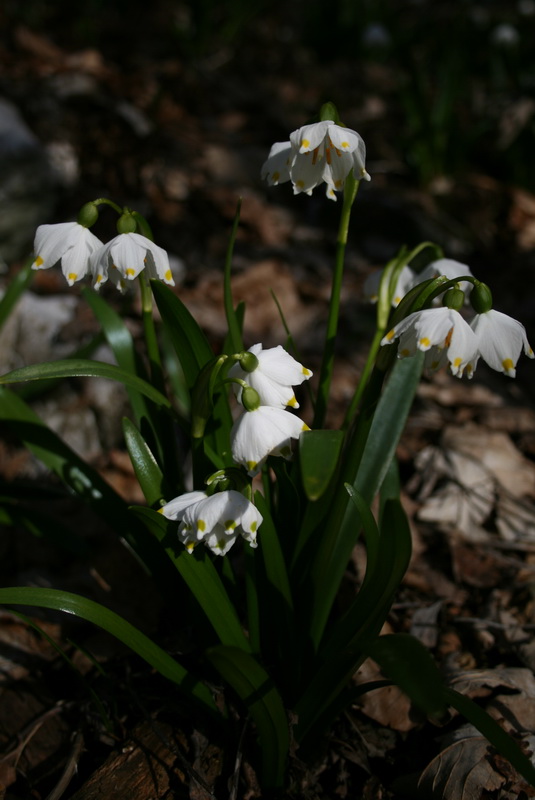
[248,362]
[481,298]
[126,223]
[454,299]
[250,399]
[87,215]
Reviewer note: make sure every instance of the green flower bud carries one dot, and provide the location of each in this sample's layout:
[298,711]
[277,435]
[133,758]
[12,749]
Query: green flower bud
[454,299]
[481,298]
[126,223]
[329,111]
[87,215]
[250,399]
[248,362]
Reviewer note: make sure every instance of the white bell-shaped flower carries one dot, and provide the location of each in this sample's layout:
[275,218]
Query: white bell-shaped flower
[451,269]
[500,340]
[69,242]
[277,167]
[216,521]
[442,328]
[266,431]
[125,256]
[273,377]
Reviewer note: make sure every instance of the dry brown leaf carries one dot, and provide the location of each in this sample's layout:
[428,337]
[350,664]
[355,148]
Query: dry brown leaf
[388,706]
[463,771]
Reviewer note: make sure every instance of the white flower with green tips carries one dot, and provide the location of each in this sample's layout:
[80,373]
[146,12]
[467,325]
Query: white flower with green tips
[273,375]
[125,256]
[277,167]
[441,328]
[262,432]
[70,243]
[500,340]
[217,521]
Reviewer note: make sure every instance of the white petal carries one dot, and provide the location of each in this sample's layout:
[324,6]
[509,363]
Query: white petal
[500,340]
[257,434]
[344,139]
[175,509]
[277,167]
[307,138]
[157,263]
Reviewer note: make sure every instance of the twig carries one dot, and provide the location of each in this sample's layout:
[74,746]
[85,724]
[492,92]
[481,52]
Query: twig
[235,778]
[71,768]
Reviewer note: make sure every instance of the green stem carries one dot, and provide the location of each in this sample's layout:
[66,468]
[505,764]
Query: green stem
[151,340]
[350,192]
[104,201]
[363,380]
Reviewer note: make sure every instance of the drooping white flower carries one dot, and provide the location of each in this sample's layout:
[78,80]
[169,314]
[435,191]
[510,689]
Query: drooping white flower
[277,167]
[216,521]
[500,340]
[441,328]
[326,152]
[125,256]
[275,374]
[407,278]
[451,269]
[263,432]
[69,242]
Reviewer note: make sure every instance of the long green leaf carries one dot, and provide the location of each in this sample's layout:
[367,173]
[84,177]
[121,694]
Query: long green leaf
[74,368]
[319,455]
[15,290]
[147,471]
[255,688]
[200,576]
[492,731]
[117,626]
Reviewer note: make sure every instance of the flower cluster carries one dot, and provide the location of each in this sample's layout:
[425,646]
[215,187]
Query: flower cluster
[265,428]
[319,153]
[447,338]
[82,253]
[216,520]
[409,278]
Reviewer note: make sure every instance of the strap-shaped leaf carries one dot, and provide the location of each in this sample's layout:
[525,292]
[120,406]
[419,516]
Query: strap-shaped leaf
[201,577]
[147,471]
[319,454]
[79,367]
[255,688]
[112,623]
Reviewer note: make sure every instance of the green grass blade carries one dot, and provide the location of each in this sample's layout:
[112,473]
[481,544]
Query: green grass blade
[15,290]
[148,473]
[255,688]
[117,626]
[319,455]
[79,367]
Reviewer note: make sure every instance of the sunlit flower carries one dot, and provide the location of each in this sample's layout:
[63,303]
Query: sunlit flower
[274,375]
[68,242]
[451,269]
[319,153]
[266,431]
[125,257]
[500,340]
[407,278]
[325,152]
[216,521]
[440,328]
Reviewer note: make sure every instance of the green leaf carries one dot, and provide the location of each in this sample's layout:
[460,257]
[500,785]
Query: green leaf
[233,323]
[319,453]
[200,576]
[255,688]
[15,290]
[117,626]
[408,664]
[74,368]
[147,471]
[492,731]
[190,343]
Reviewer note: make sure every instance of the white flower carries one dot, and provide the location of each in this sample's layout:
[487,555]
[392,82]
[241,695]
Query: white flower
[443,329]
[125,257]
[451,269]
[273,378]
[277,167]
[319,153]
[500,340]
[326,152]
[216,520]
[263,432]
[68,242]
[407,278]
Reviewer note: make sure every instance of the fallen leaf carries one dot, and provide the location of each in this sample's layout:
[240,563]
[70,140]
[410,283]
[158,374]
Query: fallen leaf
[463,771]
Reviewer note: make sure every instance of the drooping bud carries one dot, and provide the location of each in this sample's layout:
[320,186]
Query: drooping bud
[481,298]
[126,223]
[88,215]
[250,399]
[248,362]
[454,299]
